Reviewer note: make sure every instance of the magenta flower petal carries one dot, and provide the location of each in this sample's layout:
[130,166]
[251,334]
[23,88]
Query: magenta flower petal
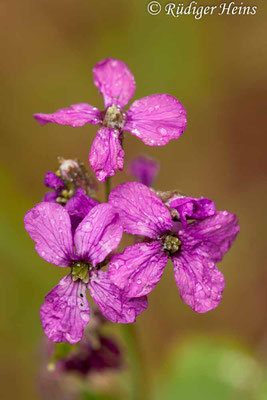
[50,197]
[114,81]
[98,234]
[199,281]
[75,116]
[65,312]
[106,154]
[145,169]
[48,224]
[189,207]
[53,181]
[141,211]
[112,302]
[138,269]
[156,119]
[211,237]
[80,204]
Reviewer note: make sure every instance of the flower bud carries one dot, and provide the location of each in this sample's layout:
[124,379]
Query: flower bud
[75,175]
[67,167]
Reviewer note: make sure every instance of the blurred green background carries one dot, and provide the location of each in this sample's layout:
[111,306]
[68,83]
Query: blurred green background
[217,67]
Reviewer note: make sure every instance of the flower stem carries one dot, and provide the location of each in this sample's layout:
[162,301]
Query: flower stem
[140,387]
[107,187]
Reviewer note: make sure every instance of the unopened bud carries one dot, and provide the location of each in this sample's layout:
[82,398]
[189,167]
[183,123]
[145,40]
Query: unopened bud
[169,196]
[67,167]
[75,176]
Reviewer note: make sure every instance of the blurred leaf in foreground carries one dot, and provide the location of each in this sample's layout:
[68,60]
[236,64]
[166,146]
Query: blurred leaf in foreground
[96,396]
[211,370]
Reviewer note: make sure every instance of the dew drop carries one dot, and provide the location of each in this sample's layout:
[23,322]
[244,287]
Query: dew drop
[163,131]
[210,264]
[85,316]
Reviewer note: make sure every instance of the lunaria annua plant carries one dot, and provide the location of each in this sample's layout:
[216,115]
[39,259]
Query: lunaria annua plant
[73,229]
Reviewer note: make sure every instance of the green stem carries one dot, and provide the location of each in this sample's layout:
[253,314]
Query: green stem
[108,187]
[140,388]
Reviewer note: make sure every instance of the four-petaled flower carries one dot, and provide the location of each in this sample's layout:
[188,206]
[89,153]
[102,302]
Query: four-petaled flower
[155,119]
[65,312]
[194,248]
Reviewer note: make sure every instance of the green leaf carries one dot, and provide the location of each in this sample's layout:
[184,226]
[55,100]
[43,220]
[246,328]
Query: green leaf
[210,369]
[97,396]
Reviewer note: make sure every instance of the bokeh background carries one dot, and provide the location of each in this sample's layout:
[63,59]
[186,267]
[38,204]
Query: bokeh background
[217,67]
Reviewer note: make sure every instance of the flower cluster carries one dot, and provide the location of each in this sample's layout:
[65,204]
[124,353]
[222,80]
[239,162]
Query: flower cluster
[72,187]
[72,229]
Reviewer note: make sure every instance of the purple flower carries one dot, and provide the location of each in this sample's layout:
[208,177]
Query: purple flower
[52,181]
[192,208]
[193,248]
[93,357]
[76,202]
[71,187]
[70,176]
[65,312]
[145,169]
[154,119]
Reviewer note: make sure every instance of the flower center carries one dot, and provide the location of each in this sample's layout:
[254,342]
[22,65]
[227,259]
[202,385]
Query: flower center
[64,196]
[80,270]
[114,118]
[171,244]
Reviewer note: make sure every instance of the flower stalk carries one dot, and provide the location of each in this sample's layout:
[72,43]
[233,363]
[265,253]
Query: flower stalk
[139,378]
[107,188]
[139,381]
